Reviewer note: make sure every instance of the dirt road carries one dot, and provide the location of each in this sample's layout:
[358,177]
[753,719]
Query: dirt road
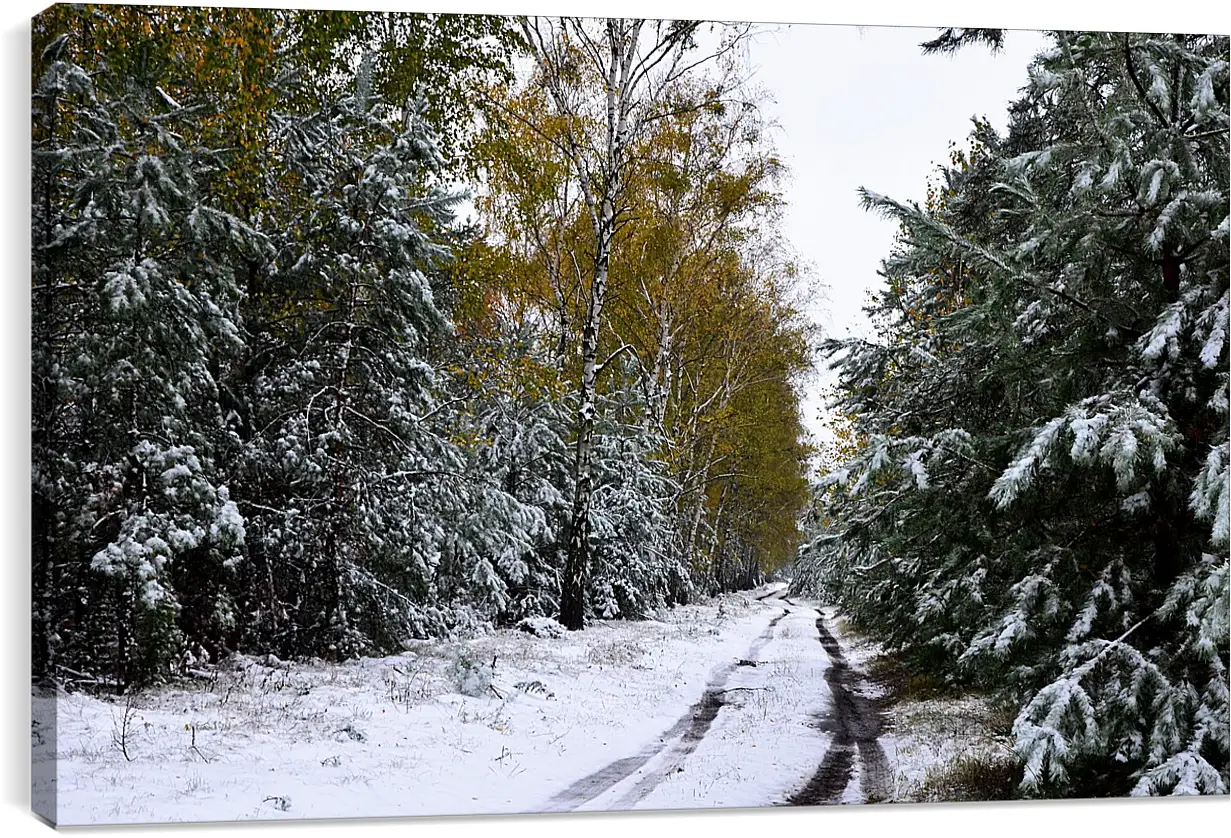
[676,743]
[852,765]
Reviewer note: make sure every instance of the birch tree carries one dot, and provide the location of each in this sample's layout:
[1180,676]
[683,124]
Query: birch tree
[607,82]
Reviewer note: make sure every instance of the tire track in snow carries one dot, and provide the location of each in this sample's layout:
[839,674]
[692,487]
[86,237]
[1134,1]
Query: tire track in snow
[682,738]
[855,722]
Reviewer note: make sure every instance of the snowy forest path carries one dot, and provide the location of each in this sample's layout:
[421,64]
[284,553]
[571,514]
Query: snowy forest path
[723,732]
[675,744]
[727,703]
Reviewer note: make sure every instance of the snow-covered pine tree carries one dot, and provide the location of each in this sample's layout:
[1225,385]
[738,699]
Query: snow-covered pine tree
[1039,497]
[512,424]
[336,396]
[511,420]
[134,303]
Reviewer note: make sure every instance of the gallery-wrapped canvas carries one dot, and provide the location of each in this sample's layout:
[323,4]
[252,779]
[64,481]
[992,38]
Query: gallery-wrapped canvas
[442,414]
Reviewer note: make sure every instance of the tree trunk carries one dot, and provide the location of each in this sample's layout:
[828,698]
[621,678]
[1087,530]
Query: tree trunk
[718,557]
[573,589]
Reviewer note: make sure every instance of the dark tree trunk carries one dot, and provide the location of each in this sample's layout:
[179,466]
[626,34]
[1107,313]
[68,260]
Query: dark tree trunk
[573,588]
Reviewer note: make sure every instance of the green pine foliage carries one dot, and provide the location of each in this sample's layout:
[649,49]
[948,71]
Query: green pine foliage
[1037,498]
[135,295]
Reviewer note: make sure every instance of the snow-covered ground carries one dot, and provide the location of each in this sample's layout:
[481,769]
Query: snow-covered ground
[722,703]
[394,736]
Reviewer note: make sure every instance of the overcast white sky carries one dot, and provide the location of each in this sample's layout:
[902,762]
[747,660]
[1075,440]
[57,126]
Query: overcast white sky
[862,106]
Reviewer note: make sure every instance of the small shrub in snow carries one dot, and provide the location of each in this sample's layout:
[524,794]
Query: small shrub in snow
[470,676]
[406,687]
[974,777]
[614,653]
[121,729]
[236,662]
[542,627]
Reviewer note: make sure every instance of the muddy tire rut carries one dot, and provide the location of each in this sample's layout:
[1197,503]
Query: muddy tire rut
[855,722]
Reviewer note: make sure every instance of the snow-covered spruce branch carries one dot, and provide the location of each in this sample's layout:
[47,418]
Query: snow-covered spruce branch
[1038,727]
[1084,669]
[444,405]
[1118,430]
[418,474]
[913,215]
[1131,71]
